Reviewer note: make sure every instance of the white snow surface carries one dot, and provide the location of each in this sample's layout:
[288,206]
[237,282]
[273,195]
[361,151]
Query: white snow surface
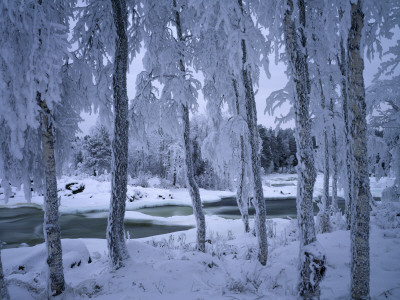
[168,267]
[96,195]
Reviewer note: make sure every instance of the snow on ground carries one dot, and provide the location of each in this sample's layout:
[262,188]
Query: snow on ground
[168,267]
[285,186]
[96,195]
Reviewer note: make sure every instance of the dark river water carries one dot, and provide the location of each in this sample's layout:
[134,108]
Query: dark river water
[23,225]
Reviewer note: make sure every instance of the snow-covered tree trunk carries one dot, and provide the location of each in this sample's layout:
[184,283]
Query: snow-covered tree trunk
[326,201]
[334,202]
[192,184]
[360,209]
[51,226]
[258,194]
[191,181]
[3,288]
[324,214]
[115,230]
[259,201]
[241,194]
[27,189]
[312,260]
[348,190]
[6,188]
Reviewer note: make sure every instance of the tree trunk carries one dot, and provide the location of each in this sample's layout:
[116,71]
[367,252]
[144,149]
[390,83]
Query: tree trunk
[348,190]
[242,194]
[312,260]
[7,189]
[27,189]
[3,288]
[192,184]
[191,181]
[51,226]
[251,113]
[115,229]
[334,202]
[360,209]
[326,203]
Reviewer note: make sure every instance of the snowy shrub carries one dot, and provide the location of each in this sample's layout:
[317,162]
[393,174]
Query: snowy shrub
[289,233]
[251,253]
[135,195]
[142,180]
[391,194]
[217,245]
[164,184]
[386,215]
[271,228]
[338,221]
[247,281]
[171,243]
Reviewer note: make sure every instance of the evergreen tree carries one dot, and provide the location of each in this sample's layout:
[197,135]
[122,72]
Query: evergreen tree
[96,156]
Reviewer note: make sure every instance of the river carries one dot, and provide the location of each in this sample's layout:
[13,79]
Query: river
[24,225]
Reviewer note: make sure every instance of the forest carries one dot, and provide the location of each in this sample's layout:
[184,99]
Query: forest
[159,201]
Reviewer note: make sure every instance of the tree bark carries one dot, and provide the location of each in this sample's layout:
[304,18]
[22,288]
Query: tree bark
[115,229]
[192,184]
[241,194]
[191,181]
[27,189]
[3,288]
[360,209]
[312,263]
[251,112]
[348,193]
[51,226]
[326,203]
[334,202]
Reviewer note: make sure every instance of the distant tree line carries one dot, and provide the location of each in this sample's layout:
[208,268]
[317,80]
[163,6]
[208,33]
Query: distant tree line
[162,156]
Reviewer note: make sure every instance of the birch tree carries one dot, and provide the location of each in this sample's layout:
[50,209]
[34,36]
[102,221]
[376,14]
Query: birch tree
[169,52]
[119,176]
[106,41]
[312,259]
[43,86]
[231,34]
[360,210]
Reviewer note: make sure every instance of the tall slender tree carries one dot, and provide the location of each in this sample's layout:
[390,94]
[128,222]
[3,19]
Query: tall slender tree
[312,260]
[360,209]
[119,176]
[102,32]
[44,92]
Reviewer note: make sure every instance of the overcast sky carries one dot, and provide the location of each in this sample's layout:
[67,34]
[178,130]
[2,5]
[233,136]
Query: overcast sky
[266,86]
